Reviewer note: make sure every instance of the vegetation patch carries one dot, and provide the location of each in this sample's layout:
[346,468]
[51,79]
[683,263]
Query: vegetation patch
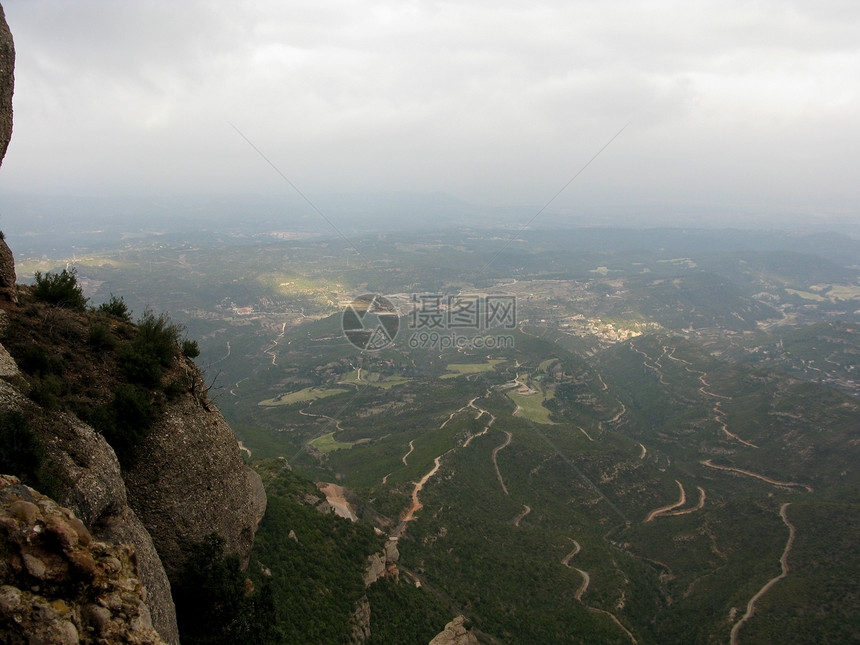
[531,406]
[459,369]
[302,396]
[327,443]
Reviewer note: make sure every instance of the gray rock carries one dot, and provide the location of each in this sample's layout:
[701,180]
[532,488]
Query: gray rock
[7,83]
[193,482]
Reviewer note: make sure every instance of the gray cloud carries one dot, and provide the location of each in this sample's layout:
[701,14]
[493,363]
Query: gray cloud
[731,103]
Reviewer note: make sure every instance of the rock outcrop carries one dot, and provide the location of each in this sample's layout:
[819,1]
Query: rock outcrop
[7,83]
[193,482]
[7,86]
[59,585]
[359,622]
[457,632]
[88,481]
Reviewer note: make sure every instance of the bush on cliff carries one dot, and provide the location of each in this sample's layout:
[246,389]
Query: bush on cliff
[61,289]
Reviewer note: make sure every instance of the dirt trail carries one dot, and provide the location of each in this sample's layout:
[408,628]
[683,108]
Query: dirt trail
[616,621]
[270,349]
[756,475]
[644,451]
[586,580]
[720,418]
[706,384]
[322,416]
[526,510]
[576,549]
[416,502]
[663,510]
[481,412]
[582,430]
[226,356]
[619,415]
[411,448]
[674,358]
[496,462]
[697,507]
[783,562]
[646,358]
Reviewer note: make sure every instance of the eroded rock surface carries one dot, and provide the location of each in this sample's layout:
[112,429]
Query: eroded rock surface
[58,584]
[192,482]
[457,632]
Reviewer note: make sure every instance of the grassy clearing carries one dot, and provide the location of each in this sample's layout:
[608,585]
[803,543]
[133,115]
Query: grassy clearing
[531,406]
[545,365]
[460,369]
[375,379]
[807,295]
[842,292]
[302,396]
[327,443]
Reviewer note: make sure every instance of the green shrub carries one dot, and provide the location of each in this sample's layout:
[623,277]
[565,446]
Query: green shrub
[22,452]
[125,421]
[158,336]
[154,347]
[115,307]
[48,391]
[190,348]
[140,366]
[37,361]
[60,289]
[100,336]
[176,387]
[213,606]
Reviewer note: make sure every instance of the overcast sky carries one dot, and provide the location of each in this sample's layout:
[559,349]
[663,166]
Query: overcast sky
[732,104]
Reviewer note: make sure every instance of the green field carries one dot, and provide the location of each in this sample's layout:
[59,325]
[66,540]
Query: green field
[302,396]
[327,443]
[460,369]
[531,406]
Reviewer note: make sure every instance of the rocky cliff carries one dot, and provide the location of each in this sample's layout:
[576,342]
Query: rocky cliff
[193,482]
[86,478]
[7,83]
[457,632]
[187,479]
[58,584]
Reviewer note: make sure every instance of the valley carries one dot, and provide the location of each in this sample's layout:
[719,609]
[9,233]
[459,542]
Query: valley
[623,470]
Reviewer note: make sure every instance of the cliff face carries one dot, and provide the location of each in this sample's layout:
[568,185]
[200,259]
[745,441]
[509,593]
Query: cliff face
[56,584]
[188,482]
[87,480]
[7,86]
[193,482]
[7,83]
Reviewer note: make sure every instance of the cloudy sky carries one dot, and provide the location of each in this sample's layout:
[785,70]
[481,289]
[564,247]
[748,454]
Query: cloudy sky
[751,106]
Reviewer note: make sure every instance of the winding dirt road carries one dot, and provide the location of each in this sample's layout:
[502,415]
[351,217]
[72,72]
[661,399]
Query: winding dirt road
[586,579]
[663,510]
[583,587]
[783,562]
[697,507]
[756,475]
[416,502]
[526,510]
[411,448]
[720,418]
[496,461]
